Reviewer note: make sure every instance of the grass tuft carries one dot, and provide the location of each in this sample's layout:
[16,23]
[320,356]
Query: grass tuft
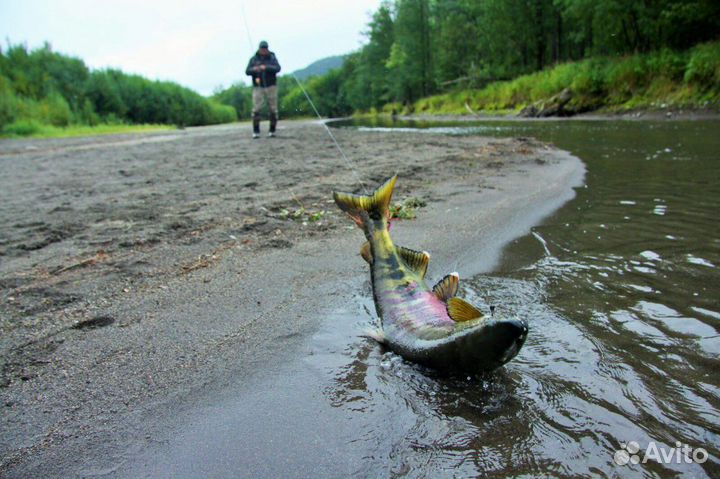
[34,129]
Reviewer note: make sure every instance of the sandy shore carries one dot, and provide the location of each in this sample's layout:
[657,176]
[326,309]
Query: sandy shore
[141,272]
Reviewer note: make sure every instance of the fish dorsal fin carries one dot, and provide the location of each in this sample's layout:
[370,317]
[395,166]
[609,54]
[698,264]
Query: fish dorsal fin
[366,252]
[447,287]
[415,260]
[460,310]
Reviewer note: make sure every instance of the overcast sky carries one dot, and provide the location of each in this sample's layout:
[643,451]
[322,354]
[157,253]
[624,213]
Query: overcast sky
[199,44]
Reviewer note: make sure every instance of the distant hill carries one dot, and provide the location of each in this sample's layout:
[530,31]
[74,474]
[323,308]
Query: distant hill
[320,67]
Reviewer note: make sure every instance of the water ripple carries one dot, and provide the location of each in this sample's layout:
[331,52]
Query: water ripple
[620,289]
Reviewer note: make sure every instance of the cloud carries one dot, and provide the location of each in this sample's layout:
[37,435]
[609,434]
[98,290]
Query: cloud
[197,44]
[174,55]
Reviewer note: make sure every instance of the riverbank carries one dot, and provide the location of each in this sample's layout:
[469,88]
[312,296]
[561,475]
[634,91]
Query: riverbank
[32,129]
[667,114]
[465,113]
[144,275]
[652,83]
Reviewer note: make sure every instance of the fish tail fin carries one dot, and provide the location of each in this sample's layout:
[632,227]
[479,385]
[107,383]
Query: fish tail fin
[360,207]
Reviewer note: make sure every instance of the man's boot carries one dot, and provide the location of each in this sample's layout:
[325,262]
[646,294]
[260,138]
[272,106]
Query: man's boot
[256,126]
[273,124]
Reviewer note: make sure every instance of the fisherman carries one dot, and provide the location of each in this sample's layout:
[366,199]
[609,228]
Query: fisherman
[263,67]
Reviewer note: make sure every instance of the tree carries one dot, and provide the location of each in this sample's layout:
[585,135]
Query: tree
[410,60]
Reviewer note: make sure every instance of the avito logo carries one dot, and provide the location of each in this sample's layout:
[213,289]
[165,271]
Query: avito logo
[680,454]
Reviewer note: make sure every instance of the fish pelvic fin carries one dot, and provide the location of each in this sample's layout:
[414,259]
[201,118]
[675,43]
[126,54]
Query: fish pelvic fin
[461,311]
[366,252]
[415,260]
[376,334]
[447,287]
[360,207]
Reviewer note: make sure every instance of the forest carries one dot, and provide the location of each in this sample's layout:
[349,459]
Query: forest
[503,54]
[42,87]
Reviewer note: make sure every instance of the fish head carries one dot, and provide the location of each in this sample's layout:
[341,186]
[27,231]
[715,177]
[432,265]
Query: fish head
[484,347]
[510,335]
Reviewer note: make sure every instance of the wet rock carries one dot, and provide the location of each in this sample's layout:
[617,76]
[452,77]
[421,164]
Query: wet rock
[94,323]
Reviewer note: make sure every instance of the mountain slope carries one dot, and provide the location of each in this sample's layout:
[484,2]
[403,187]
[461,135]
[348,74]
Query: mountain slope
[320,67]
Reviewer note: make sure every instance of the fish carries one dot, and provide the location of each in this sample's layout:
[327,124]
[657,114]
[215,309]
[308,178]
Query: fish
[429,326]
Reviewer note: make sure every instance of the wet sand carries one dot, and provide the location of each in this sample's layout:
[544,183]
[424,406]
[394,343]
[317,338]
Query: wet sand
[145,276]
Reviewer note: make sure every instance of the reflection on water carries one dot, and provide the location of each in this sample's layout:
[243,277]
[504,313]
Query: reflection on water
[622,292]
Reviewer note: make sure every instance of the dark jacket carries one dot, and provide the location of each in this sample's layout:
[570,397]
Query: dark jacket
[268,76]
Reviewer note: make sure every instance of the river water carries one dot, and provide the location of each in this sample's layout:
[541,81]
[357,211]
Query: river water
[621,288]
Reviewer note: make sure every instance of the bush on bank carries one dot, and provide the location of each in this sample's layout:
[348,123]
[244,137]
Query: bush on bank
[655,80]
[44,88]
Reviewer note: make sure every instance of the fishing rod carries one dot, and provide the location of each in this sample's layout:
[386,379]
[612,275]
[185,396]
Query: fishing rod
[250,40]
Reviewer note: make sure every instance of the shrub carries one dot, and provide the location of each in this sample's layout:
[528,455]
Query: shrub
[627,76]
[590,78]
[667,64]
[55,110]
[393,107]
[23,128]
[221,113]
[703,68]
[8,103]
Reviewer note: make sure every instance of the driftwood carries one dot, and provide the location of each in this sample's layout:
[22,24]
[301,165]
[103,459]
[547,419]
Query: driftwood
[557,105]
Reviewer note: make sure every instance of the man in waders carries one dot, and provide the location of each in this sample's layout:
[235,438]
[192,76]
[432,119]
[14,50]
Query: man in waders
[263,67]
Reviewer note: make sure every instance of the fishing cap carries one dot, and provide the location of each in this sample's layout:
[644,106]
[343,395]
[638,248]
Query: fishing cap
[263,44]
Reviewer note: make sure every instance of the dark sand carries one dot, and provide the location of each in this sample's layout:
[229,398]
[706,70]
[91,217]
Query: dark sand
[141,275]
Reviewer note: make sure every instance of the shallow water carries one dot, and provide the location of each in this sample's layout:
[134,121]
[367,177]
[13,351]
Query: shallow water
[621,291]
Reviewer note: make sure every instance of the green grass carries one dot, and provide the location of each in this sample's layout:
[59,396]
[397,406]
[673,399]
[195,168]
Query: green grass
[664,79]
[407,210]
[34,129]
[302,215]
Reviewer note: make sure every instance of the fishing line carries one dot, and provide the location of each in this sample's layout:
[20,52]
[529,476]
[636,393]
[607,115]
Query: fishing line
[347,160]
[251,46]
